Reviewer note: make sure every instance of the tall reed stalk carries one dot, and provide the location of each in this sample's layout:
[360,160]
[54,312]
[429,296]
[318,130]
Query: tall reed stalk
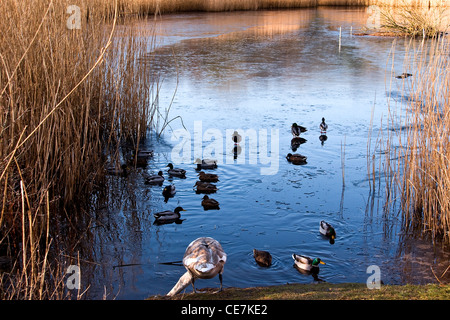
[416,144]
[68,97]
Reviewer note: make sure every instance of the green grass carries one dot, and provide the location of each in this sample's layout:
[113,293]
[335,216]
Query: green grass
[322,291]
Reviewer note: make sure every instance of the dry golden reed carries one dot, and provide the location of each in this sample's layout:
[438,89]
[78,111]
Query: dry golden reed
[68,97]
[416,143]
[150,7]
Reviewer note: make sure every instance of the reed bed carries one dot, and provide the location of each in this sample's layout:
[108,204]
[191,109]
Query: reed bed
[415,21]
[69,97]
[415,145]
[152,7]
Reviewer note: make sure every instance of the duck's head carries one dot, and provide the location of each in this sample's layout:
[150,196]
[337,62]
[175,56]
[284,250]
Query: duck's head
[323,119]
[294,125]
[205,197]
[170,166]
[160,173]
[317,261]
[178,209]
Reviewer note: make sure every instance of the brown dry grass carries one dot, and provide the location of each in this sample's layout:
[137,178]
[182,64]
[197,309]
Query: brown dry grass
[416,145]
[67,99]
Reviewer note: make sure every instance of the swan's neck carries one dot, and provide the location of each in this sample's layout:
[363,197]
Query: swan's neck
[182,283]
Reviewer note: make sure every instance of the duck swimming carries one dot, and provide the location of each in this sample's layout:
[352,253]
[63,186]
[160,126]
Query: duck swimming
[205,187]
[236,137]
[404,75]
[168,216]
[118,171]
[169,191]
[208,177]
[206,164]
[209,203]
[155,179]
[204,258]
[327,230]
[306,263]
[296,158]
[296,129]
[262,258]
[323,126]
[176,172]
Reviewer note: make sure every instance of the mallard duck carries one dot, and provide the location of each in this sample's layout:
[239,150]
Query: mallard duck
[209,203]
[296,158]
[155,179]
[306,263]
[262,258]
[327,230]
[141,158]
[204,259]
[296,129]
[323,126]
[236,137]
[205,164]
[208,177]
[168,216]
[143,154]
[205,187]
[118,171]
[404,75]
[176,172]
[169,191]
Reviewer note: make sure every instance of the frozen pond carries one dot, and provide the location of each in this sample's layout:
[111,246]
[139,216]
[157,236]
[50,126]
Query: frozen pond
[257,73]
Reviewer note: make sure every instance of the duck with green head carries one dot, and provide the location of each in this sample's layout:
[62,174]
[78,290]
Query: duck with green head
[327,230]
[306,263]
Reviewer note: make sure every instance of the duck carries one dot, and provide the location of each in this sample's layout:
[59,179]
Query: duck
[296,129]
[204,258]
[140,158]
[208,177]
[327,230]
[205,187]
[236,137]
[168,216]
[169,191]
[143,154]
[209,203]
[404,75]
[306,263]
[323,126]
[155,179]
[176,172]
[118,171]
[296,158]
[262,258]
[206,164]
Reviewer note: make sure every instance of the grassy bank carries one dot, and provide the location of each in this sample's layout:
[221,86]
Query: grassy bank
[323,291]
